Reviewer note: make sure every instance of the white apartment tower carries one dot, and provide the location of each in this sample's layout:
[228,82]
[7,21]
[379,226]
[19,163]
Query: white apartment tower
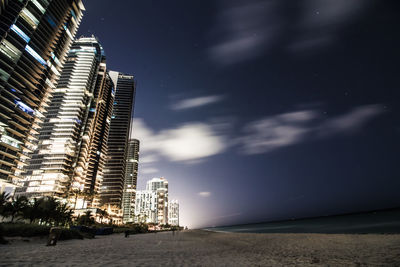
[173,213]
[152,203]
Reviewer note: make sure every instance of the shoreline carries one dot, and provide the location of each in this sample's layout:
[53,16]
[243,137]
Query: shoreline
[207,248]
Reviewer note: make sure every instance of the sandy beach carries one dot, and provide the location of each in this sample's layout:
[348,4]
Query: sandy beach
[202,248]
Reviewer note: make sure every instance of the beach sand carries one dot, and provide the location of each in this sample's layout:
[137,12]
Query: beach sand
[202,248]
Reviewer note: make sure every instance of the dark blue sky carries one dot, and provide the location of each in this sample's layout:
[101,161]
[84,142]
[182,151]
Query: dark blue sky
[261,109]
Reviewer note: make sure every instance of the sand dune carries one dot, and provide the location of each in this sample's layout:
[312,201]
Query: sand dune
[201,248]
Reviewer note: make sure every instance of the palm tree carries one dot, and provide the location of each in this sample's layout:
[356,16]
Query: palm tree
[49,207]
[16,207]
[64,214]
[86,219]
[4,197]
[33,210]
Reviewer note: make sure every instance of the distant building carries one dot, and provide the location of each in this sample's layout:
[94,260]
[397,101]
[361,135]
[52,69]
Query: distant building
[146,206]
[162,205]
[114,175]
[152,203]
[173,212]
[131,173]
[157,183]
[34,38]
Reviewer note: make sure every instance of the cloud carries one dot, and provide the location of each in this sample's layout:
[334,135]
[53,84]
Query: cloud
[148,159]
[196,102]
[186,143]
[204,194]
[147,170]
[350,122]
[246,29]
[267,134]
[243,30]
[282,130]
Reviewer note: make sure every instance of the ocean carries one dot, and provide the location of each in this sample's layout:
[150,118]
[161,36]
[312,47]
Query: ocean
[382,222]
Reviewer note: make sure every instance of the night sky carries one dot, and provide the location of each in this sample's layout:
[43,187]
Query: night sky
[260,110]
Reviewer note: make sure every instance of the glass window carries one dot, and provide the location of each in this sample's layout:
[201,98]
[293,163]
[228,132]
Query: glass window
[20,33]
[4,75]
[39,6]
[10,50]
[50,19]
[29,17]
[35,55]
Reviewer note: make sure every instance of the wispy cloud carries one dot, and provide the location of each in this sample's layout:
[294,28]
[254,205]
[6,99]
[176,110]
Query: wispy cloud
[148,158]
[204,194]
[186,143]
[196,102]
[147,170]
[246,29]
[282,130]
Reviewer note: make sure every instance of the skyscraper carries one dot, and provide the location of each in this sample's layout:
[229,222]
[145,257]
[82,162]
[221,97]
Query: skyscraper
[131,172]
[173,212]
[114,174]
[72,147]
[34,38]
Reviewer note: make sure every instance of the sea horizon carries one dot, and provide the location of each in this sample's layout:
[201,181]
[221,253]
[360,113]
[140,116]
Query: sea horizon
[384,221]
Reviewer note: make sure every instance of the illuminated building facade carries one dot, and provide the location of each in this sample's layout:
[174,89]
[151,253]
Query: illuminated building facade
[146,206]
[131,173]
[157,183]
[35,36]
[72,145]
[173,212]
[114,174]
[152,203]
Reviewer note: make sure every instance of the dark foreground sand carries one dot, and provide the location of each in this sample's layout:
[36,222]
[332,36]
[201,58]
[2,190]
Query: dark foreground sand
[201,248]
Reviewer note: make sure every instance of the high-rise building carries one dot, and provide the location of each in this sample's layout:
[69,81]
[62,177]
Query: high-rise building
[157,183]
[114,174]
[71,153]
[131,173]
[152,203]
[34,39]
[173,212]
[146,206]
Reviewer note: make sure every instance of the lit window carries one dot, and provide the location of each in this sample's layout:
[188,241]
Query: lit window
[20,32]
[39,6]
[53,56]
[35,55]
[10,50]
[73,14]
[29,17]
[68,32]
[4,75]
[22,106]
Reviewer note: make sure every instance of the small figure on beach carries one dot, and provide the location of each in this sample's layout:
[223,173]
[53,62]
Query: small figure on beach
[126,233]
[54,235]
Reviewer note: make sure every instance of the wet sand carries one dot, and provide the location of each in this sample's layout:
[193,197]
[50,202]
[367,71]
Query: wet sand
[202,248]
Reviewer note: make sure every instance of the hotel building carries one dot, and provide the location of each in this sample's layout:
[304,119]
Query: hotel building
[72,149]
[114,174]
[131,173]
[35,36]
